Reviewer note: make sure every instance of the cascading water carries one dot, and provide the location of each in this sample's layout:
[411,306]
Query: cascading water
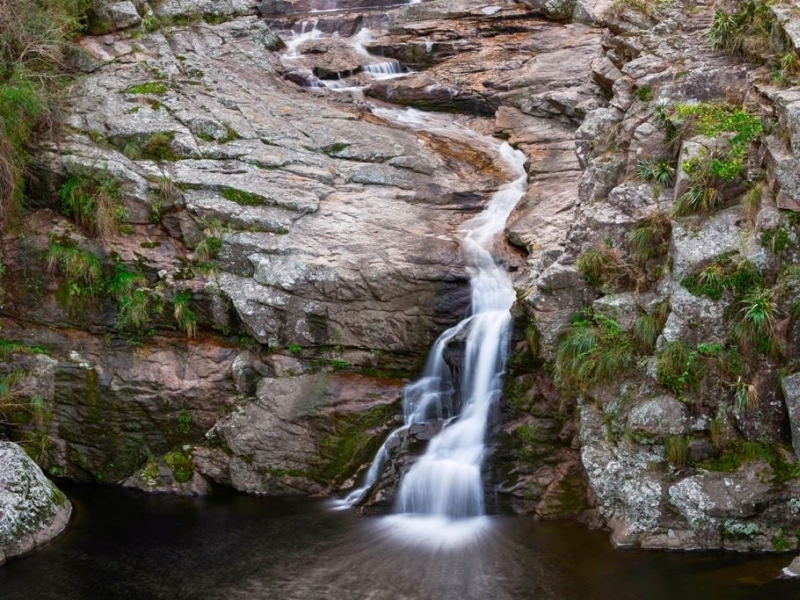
[445,482]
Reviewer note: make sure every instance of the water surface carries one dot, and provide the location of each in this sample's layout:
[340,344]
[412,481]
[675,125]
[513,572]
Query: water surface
[125,544]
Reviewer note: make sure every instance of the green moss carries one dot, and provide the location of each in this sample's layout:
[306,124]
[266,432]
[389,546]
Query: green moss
[241,197]
[9,347]
[184,422]
[335,148]
[180,462]
[157,88]
[350,441]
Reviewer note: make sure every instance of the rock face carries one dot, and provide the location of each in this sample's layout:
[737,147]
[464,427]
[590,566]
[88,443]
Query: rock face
[295,253]
[32,510]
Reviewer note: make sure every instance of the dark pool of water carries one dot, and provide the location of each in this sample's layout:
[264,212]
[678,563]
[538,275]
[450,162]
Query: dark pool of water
[125,544]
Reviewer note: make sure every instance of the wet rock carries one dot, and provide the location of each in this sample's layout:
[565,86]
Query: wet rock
[305,433]
[330,59]
[424,92]
[32,510]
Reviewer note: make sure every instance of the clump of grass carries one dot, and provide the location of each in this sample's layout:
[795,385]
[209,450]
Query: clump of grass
[789,64]
[746,32]
[653,171]
[129,289]
[678,368]
[185,318]
[725,274]
[644,93]
[746,395]
[716,432]
[751,202]
[650,238]
[776,240]
[94,203]
[676,450]
[132,150]
[700,197]
[603,267]
[594,349]
[756,326]
[82,269]
[646,328]
[158,146]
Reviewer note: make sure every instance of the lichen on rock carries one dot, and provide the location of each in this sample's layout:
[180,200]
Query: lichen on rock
[32,510]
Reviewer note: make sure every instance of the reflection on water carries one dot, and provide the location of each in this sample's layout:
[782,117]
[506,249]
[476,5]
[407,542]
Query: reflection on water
[129,545]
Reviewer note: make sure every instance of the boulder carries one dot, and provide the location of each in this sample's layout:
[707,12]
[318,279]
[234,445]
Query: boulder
[33,511]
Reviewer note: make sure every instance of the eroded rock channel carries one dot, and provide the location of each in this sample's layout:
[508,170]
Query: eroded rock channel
[271,257]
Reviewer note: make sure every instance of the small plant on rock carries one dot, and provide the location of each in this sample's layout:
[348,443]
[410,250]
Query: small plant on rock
[603,267]
[185,318]
[678,368]
[653,171]
[94,203]
[756,326]
[82,269]
[592,350]
[676,450]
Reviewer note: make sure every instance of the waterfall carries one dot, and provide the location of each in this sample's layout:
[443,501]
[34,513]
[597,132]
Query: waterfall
[446,480]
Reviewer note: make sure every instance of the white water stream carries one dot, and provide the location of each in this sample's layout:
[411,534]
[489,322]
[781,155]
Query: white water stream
[445,483]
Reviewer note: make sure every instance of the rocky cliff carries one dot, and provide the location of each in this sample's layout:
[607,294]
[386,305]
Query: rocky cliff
[227,270]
